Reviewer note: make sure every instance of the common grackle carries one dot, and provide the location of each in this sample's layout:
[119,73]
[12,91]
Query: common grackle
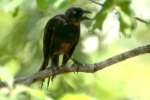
[61,35]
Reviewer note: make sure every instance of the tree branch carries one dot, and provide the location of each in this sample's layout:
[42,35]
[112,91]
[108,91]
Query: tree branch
[137,18]
[87,68]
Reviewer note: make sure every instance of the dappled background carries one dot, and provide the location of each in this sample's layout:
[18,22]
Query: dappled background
[113,30]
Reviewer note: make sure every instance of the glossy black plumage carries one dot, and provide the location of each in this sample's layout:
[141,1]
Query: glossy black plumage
[61,35]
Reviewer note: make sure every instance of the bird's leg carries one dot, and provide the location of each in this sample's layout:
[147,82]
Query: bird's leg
[65,59]
[76,63]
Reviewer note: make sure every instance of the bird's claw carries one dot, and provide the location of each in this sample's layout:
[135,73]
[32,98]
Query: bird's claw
[77,64]
[54,73]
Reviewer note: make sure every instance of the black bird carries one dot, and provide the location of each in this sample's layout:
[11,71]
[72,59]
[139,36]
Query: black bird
[61,35]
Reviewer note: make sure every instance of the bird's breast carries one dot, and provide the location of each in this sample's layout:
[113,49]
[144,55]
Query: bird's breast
[65,47]
[66,38]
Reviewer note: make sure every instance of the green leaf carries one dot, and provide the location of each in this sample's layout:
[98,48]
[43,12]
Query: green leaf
[126,17]
[15,12]
[100,16]
[35,94]
[127,24]
[63,3]
[6,76]
[44,4]
[12,5]
[13,66]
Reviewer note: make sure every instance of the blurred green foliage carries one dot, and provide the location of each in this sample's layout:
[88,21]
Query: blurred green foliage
[21,31]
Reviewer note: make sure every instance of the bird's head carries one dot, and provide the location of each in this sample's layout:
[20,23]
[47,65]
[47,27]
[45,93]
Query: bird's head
[76,14]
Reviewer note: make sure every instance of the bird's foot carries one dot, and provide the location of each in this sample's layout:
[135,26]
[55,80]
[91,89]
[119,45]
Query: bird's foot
[77,63]
[42,82]
[54,73]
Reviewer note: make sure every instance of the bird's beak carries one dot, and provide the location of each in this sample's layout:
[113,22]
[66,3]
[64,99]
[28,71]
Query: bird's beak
[85,17]
[86,11]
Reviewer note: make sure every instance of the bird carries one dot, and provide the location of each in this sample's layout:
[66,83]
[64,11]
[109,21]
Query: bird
[61,35]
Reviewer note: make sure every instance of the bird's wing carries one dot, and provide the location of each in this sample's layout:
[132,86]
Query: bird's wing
[52,26]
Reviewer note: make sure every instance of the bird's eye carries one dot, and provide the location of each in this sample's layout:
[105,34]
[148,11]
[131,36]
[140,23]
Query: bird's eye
[74,12]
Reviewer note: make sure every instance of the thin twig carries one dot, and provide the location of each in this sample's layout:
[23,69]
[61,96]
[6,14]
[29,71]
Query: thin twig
[93,1]
[141,20]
